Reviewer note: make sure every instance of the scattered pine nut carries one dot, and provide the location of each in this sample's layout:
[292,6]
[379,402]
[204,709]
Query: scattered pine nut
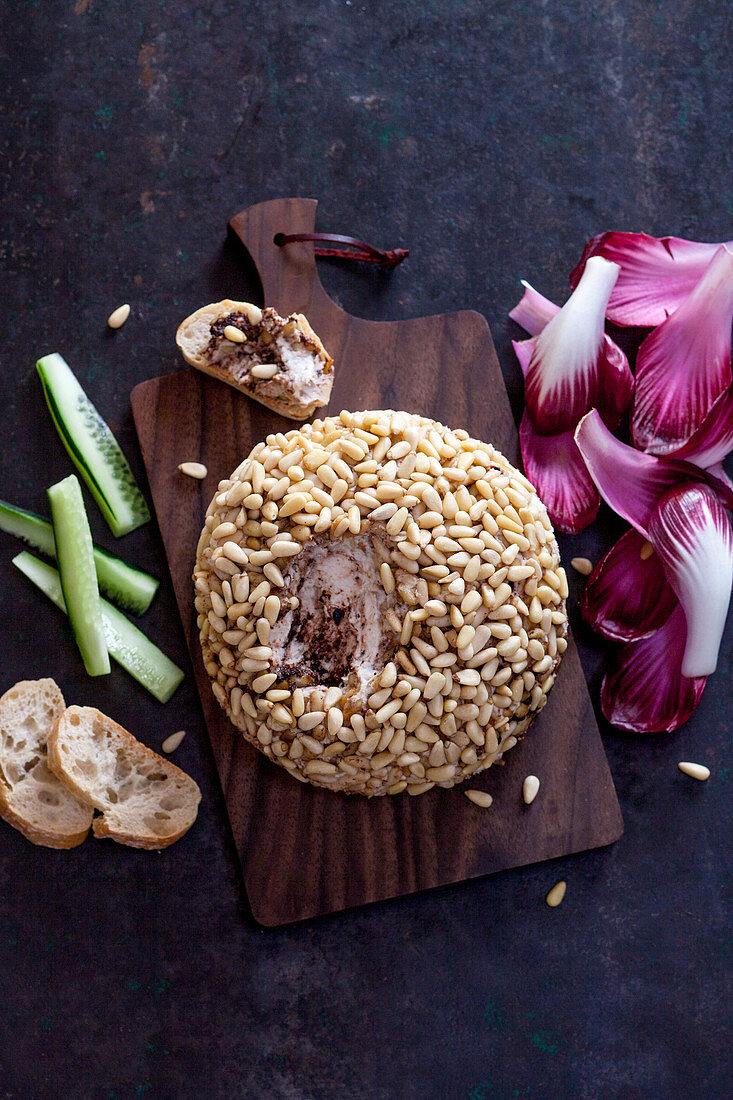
[194,469]
[646,551]
[118,316]
[480,798]
[530,788]
[556,894]
[234,334]
[582,565]
[696,771]
[171,743]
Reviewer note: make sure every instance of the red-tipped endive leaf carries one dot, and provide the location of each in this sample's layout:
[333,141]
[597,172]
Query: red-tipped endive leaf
[574,366]
[645,691]
[719,481]
[533,311]
[657,274]
[692,535]
[627,597]
[718,474]
[523,351]
[684,365]
[556,468]
[713,440]
[630,481]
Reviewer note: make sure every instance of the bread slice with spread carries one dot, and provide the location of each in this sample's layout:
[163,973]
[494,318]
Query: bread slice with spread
[278,361]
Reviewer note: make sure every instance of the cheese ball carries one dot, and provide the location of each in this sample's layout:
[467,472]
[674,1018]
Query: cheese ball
[380,602]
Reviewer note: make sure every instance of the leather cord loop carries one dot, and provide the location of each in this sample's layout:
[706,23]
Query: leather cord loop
[352,248]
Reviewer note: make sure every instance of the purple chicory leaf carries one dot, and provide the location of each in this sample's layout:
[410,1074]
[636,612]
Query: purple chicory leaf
[713,440]
[573,365]
[645,691]
[717,474]
[627,597]
[533,311]
[684,366]
[523,350]
[556,468]
[630,481]
[657,274]
[692,535]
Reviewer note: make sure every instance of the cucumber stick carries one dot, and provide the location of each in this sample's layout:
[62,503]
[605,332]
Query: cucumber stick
[93,449]
[128,645]
[74,553]
[129,587]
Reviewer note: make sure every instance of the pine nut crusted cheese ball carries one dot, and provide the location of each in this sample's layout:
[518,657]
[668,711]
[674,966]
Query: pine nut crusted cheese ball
[380,602]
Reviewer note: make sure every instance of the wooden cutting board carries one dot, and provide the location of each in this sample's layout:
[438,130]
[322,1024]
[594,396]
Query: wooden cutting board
[305,851]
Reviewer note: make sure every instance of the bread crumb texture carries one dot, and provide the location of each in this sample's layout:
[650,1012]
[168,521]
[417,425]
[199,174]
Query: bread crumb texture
[144,800]
[33,799]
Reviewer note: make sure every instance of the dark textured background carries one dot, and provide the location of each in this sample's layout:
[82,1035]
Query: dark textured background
[492,138]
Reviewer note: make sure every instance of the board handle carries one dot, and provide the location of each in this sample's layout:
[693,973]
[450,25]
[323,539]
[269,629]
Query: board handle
[289,275]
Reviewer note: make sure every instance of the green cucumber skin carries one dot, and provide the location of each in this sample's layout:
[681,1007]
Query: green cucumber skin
[132,649]
[77,572]
[92,444]
[129,587]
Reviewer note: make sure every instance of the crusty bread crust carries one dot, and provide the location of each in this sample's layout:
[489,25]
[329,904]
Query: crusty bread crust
[32,799]
[145,800]
[192,338]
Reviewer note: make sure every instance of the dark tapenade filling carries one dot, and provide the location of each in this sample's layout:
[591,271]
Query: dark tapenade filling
[259,342]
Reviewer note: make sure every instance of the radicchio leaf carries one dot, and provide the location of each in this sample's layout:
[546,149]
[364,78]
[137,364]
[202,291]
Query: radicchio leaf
[645,690]
[684,365]
[713,440]
[627,597]
[692,535]
[630,481]
[573,365]
[556,468]
[657,274]
[533,311]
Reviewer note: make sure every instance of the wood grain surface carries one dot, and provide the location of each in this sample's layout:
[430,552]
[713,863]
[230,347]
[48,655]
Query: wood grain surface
[305,851]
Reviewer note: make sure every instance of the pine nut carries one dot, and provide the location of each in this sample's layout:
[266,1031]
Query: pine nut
[118,316]
[195,470]
[263,370]
[442,774]
[530,787]
[480,798]
[252,312]
[284,549]
[234,334]
[695,771]
[171,743]
[556,894]
[312,719]
[582,565]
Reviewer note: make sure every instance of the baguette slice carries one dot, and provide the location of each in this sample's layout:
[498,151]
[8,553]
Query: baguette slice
[32,799]
[285,347]
[145,801]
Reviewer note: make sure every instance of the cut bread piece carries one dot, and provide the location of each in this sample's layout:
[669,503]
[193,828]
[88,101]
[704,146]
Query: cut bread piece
[32,798]
[279,361]
[145,801]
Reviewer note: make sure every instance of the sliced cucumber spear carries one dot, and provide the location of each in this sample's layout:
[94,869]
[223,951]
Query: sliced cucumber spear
[128,645]
[74,553]
[129,587]
[93,449]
